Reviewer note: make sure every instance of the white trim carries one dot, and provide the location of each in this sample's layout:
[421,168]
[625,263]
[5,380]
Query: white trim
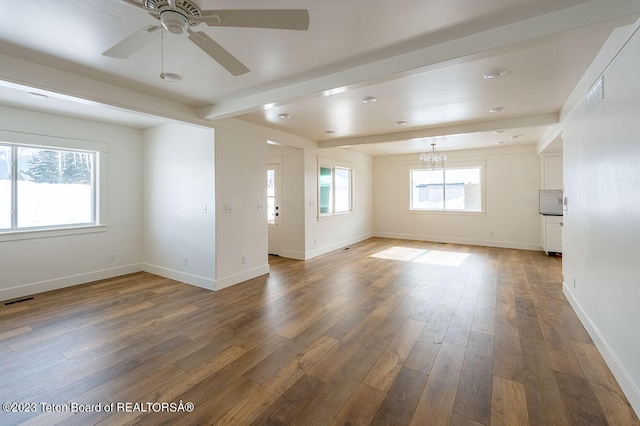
[458,240]
[30,234]
[38,140]
[183,277]
[69,281]
[290,254]
[336,246]
[630,390]
[241,277]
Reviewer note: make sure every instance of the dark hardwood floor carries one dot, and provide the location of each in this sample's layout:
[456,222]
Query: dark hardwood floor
[386,332]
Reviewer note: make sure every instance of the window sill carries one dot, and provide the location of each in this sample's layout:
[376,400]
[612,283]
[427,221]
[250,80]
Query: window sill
[51,232]
[448,212]
[336,216]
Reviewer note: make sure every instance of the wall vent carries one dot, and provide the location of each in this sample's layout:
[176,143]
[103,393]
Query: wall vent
[595,95]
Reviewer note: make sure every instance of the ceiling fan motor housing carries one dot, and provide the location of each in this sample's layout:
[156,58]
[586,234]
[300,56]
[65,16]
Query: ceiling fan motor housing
[174,22]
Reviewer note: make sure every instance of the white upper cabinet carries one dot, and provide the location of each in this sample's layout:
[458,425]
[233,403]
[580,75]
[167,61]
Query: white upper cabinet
[552,172]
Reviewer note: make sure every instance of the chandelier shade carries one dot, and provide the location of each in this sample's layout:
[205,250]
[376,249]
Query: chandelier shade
[433,158]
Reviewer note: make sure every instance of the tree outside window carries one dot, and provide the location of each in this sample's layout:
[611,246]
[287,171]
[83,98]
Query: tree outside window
[46,187]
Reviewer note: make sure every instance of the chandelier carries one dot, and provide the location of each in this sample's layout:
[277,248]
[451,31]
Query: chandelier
[432,158]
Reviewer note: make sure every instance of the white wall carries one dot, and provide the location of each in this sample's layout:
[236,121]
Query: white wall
[179,204]
[241,164]
[511,200]
[322,235]
[35,265]
[602,225]
[331,233]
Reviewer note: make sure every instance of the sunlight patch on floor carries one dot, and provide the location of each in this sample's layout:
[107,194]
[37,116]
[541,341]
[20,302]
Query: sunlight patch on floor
[432,257]
[445,258]
[405,254]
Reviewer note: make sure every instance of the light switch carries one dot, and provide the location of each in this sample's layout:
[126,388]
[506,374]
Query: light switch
[228,208]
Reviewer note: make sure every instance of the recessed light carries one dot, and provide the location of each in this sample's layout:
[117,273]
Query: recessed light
[284,116]
[498,143]
[37,95]
[515,136]
[330,132]
[495,73]
[497,109]
[401,123]
[369,99]
[497,132]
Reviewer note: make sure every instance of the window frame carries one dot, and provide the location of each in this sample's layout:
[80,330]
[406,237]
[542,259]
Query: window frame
[450,166]
[17,140]
[332,213]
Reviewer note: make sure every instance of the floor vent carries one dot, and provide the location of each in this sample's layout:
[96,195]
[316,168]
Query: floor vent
[18,301]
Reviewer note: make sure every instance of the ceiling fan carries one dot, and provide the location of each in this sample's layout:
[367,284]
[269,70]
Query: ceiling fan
[178,16]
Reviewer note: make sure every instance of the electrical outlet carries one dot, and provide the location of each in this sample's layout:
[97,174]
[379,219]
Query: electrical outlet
[244,260]
[185,261]
[112,257]
[574,283]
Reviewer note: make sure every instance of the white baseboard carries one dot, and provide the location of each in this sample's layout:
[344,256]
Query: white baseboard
[241,277]
[195,280]
[335,246]
[458,240]
[630,390]
[58,283]
[290,254]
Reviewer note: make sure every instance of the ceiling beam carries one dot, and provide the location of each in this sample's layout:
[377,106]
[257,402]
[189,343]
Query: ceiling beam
[506,38]
[455,129]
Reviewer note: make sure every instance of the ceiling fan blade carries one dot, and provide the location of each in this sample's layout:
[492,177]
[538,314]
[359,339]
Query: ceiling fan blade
[142,6]
[282,19]
[133,43]
[218,53]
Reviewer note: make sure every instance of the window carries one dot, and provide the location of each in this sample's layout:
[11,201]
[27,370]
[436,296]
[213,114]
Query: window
[335,190]
[271,196]
[45,187]
[455,189]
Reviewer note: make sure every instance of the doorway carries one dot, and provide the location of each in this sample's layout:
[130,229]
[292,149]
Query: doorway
[274,190]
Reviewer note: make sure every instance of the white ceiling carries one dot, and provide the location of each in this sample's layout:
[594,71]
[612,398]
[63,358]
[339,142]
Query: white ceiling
[423,60]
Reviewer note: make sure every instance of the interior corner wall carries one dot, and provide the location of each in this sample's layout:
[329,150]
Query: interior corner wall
[511,219]
[334,232]
[241,232]
[40,264]
[601,236]
[179,204]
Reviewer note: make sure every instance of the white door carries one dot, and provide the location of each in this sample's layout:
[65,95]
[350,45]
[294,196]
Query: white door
[273,207]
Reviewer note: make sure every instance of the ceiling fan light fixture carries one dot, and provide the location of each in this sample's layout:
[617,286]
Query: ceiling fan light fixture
[174,22]
[284,116]
[497,109]
[170,77]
